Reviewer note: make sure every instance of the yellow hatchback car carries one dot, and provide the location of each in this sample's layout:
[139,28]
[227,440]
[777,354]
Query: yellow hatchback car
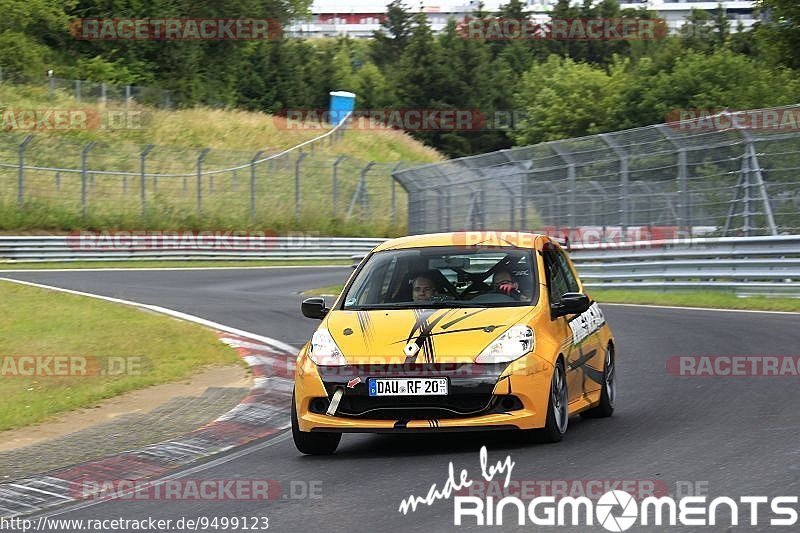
[454,332]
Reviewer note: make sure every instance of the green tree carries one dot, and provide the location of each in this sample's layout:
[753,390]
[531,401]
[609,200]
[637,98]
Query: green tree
[562,98]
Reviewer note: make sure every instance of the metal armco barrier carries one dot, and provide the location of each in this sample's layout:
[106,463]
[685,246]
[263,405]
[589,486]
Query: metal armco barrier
[754,265]
[181,247]
[768,265]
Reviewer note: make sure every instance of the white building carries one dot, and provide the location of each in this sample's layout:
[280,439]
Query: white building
[359,18]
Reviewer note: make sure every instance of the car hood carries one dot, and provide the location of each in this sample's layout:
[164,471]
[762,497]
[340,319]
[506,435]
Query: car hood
[442,335]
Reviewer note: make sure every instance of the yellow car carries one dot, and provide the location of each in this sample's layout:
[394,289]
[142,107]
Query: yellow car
[454,332]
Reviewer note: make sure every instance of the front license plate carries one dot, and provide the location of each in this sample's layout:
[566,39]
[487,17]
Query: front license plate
[408,387]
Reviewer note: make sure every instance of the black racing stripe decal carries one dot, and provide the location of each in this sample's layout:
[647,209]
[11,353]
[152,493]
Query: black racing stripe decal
[459,319]
[477,328]
[433,422]
[582,360]
[365,323]
[423,327]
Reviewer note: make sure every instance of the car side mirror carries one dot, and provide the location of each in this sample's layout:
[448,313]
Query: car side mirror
[314,308]
[572,303]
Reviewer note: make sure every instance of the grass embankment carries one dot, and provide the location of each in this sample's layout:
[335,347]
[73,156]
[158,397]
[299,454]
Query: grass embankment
[691,298]
[53,200]
[709,299]
[142,348]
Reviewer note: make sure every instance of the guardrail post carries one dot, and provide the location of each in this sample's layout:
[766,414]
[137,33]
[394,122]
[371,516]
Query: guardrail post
[300,157]
[21,174]
[335,184]
[84,158]
[143,181]
[200,158]
[253,161]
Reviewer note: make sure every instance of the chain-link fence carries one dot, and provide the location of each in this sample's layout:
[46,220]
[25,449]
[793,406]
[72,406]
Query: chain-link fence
[95,92]
[727,174]
[62,184]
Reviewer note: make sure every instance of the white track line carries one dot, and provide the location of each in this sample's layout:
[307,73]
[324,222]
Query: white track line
[177,475]
[716,309]
[274,343]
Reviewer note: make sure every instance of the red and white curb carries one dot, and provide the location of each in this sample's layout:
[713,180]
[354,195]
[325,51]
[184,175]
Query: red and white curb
[262,414]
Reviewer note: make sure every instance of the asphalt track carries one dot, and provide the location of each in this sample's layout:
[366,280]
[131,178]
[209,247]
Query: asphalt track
[730,436]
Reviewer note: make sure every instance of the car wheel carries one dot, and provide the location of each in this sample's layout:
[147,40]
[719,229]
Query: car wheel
[557,408]
[313,443]
[608,394]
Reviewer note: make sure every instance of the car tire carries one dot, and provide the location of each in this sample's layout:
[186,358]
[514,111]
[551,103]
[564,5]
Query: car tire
[557,409]
[313,443]
[608,393]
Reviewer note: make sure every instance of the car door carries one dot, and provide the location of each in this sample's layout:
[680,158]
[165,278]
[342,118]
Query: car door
[580,348]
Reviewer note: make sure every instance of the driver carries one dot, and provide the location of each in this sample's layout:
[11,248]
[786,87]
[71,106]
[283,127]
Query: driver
[503,282]
[423,288]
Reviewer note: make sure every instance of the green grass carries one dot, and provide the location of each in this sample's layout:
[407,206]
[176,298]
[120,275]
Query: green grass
[52,200]
[39,322]
[692,298]
[170,264]
[688,298]
[331,290]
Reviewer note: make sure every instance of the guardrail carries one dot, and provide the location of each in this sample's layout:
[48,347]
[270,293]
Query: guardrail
[754,265]
[179,247]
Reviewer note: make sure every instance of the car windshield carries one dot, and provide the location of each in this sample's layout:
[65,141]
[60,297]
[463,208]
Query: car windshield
[441,277]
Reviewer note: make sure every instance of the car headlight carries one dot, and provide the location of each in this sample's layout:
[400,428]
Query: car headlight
[324,350]
[513,344]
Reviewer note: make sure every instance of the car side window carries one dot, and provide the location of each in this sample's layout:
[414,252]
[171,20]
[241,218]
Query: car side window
[563,263]
[556,280]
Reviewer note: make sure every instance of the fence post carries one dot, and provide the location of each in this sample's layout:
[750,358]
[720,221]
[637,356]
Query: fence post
[624,206]
[103,93]
[84,157]
[256,157]
[78,90]
[335,184]
[58,181]
[394,195]
[200,158]
[684,209]
[571,179]
[360,190]
[143,181]
[127,95]
[300,157]
[746,223]
[21,174]
[52,86]
[233,180]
